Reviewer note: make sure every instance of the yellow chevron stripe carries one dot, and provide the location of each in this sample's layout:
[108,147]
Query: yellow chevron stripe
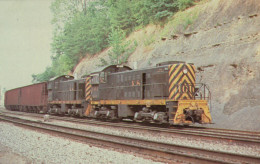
[191,70]
[171,68]
[194,68]
[183,79]
[88,98]
[172,92]
[88,93]
[175,97]
[175,90]
[88,87]
[175,72]
[183,95]
[191,78]
[177,78]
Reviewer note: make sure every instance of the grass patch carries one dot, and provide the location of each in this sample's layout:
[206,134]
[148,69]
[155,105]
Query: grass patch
[149,40]
[181,20]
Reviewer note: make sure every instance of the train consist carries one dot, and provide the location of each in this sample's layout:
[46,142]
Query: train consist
[166,93]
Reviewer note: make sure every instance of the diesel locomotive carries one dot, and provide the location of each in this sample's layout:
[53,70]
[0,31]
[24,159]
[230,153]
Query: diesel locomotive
[166,93]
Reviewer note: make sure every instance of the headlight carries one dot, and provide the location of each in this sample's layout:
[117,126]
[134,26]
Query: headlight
[185,71]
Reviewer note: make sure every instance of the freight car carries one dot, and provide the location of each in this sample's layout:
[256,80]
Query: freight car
[32,98]
[166,93]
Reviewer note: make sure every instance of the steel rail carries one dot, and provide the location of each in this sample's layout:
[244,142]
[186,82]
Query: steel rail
[170,151]
[244,137]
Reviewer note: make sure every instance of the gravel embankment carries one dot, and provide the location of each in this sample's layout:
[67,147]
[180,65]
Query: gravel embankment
[34,147]
[211,145]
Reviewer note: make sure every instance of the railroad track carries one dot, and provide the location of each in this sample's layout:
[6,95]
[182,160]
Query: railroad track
[222,135]
[160,151]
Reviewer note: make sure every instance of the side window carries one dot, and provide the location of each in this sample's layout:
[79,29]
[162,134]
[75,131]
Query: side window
[122,78]
[103,77]
[56,85]
[138,77]
[95,79]
[117,79]
[148,75]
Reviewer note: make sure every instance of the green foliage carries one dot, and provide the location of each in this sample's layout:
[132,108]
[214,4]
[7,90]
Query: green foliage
[121,14]
[118,47]
[183,4]
[148,41]
[186,23]
[46,75]
[142,12]
[87,27]
[163,9]
[120,50]
[180,22]
[147,11]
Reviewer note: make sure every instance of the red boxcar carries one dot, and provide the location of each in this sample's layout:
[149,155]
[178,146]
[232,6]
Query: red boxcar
[12,98]
[28,98]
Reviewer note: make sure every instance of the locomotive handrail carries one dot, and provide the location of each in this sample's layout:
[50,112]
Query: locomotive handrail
[130,86]
[203,87]
[201,91]
[133,86]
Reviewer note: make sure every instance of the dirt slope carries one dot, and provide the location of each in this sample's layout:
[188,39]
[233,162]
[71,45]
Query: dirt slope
[223,42]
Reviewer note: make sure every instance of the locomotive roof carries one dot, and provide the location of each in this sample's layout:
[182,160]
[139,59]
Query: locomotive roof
[67,81]
[160,65]
[102,69]
[57,77]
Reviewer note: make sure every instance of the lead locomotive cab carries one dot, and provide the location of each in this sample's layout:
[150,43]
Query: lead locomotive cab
[166,93]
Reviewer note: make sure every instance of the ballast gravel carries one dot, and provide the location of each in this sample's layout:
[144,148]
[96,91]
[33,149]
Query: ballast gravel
[46,149]
[186,141]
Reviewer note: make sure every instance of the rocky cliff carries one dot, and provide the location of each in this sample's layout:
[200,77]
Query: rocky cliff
[222,38]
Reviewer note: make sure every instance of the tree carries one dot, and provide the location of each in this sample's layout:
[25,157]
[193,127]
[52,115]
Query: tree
[120,14]
[87,27]
[120,50]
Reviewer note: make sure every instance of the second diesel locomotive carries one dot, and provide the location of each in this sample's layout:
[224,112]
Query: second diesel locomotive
[166,93]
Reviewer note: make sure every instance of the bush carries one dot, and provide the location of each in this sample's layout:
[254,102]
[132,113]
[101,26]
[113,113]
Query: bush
[183,4]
